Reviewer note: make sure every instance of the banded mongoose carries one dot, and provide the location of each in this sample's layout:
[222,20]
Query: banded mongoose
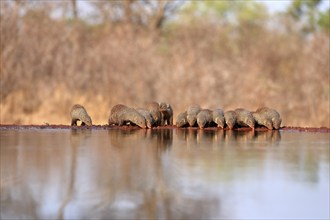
[153,108]
[115,110]
[219,117]
[267,117]
[230,119]
[79,113]
[192,112]
[244,118]
[121,114]
[167,113]
[147,115]
[181,119]
[204,118]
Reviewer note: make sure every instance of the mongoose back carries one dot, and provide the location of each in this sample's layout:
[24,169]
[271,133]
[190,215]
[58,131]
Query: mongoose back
[230,119]
[147,115]
[121,114]
[115,110]
[204,118]
[153,108]
[219,117]
[244,118]
[79,113]
[268,117]
[192,112]
[167,113]
[181,119]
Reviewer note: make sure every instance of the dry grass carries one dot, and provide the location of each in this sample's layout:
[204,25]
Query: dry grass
[49,65]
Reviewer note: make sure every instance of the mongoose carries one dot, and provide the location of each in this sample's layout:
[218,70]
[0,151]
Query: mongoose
[219,118]
[261,119]
[153,108]
[181,119]
[244,118]
[121,114]
[204,118]
[192,112]
[230,119]
[79,113]
[113,118]
[267,117]
[147,115]
[167,113]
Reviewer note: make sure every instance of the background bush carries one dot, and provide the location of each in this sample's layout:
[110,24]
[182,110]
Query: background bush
[218,54]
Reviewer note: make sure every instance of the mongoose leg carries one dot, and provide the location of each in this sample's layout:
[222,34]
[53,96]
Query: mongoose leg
[171,120]
[73,122]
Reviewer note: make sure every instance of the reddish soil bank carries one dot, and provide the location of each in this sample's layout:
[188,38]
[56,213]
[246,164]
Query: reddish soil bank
[321,129]
[103,127]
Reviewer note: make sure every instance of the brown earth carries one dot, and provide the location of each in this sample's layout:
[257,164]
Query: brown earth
[105,127]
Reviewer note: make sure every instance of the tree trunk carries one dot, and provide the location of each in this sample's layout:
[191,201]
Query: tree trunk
[74,9]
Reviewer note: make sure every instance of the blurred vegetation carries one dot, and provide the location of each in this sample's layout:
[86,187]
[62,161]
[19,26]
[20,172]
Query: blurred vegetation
[224,54]
[307,12]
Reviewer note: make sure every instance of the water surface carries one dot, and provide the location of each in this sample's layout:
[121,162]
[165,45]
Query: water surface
[165,173]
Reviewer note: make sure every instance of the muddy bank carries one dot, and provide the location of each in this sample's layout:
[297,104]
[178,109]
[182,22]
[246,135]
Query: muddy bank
[104,127]
[308,129]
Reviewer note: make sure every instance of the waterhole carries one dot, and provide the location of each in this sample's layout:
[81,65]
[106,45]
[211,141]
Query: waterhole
[166,173]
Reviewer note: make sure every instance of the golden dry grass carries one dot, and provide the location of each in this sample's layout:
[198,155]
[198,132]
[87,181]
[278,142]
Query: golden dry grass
[49,65]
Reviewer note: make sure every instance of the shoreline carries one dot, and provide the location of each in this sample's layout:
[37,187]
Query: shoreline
[107,127]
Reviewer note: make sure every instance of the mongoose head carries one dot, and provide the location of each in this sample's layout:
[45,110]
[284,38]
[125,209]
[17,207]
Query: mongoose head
[265,122]
[268,124]
[181,123]
[218,117]
[261,120]
[231,123]
[149,123]
[277,123]
[140,121]
[87,120]
[201,122]
[156,116]
[181,120]
[110,121]
[230,119]
[191,119]
[163,106]
[220,121]
[148,117]
[250,121]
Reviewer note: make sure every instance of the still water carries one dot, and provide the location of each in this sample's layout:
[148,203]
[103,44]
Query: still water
[165,173]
